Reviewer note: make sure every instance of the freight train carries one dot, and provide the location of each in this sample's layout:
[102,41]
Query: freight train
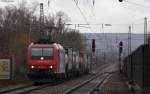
[53,62]
[137,66]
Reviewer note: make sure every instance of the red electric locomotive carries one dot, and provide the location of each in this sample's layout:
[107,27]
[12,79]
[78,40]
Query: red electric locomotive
[51,62]
[46,62]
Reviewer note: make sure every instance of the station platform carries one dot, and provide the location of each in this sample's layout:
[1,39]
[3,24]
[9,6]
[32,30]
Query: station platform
[116,84]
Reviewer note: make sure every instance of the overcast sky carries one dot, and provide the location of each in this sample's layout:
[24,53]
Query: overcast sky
[119,15]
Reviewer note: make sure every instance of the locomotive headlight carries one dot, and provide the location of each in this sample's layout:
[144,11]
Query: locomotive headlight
[32,67]
[42,58]
[51,67]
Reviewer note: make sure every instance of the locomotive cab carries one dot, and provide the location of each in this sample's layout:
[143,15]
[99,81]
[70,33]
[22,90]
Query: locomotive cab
[45,61]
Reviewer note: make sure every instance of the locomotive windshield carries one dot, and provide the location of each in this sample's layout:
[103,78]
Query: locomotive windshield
[45,53]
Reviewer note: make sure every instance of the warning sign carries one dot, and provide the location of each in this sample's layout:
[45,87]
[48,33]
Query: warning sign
[5,69]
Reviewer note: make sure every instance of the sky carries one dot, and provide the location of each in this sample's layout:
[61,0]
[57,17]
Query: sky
[119,15]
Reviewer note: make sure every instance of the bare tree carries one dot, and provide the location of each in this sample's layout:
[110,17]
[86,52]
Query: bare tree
[16,27]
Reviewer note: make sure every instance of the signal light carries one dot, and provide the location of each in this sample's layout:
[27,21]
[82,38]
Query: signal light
[93,45]
[50,67]
[120,47]
[32,67]
[120,44]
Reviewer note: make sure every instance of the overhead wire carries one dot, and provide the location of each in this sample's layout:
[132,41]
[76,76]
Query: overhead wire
[84,17]
[146,0]
[134,3]
[91,7]
[51,8]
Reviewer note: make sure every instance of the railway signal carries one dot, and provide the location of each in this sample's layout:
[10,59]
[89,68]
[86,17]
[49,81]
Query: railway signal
[120,47]
[93,45]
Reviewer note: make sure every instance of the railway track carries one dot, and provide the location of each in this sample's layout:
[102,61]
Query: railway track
[89,86]
[31,88]
[25,89]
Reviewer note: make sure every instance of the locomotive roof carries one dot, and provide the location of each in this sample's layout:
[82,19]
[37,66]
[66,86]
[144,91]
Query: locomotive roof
[58,46]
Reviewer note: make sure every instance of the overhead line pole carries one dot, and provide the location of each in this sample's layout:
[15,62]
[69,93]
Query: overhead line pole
[129,52]
[41,20]
[145,31]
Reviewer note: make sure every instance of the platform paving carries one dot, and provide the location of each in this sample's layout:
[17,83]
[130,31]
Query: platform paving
[116,84]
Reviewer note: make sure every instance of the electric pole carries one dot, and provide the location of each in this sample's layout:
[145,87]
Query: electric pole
[129,52]
[41,20]
[129,40]
[145,31]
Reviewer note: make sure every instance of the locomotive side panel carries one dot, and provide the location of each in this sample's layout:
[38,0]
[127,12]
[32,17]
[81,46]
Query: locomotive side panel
[61,62]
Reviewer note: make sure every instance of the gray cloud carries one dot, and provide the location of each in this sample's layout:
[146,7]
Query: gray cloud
[105,11]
